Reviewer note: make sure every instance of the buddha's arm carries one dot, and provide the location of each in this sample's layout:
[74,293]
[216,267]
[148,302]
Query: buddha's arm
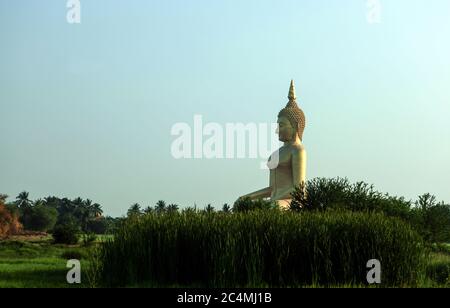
[260,194]
[299,167]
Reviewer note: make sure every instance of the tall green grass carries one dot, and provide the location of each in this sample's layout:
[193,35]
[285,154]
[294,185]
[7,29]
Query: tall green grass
[260,249]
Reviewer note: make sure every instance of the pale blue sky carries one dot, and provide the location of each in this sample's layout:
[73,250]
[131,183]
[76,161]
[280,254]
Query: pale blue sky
[86,109]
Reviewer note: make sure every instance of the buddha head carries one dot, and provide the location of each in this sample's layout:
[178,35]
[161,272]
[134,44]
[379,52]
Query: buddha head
[291,119]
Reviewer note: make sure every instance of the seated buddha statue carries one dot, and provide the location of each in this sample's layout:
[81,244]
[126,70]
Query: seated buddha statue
[288,164]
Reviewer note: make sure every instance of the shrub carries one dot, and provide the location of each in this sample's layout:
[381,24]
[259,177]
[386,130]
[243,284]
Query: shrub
[260,248]
[97,226]
[66,234]
[41,218]
[246,205]
[339,193]
[432,219]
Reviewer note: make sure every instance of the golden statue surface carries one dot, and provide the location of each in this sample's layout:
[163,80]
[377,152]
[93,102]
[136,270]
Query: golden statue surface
[288,164]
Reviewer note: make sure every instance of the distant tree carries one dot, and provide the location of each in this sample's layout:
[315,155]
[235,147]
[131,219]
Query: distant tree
[68,219]
[209,208]
[66,206]
[42,218]
[148,210]
[160,206]
[134,210]
[22,200]
[172,208]
[432,219]
[98,226]
[66,234]
[226,208]
[97,210]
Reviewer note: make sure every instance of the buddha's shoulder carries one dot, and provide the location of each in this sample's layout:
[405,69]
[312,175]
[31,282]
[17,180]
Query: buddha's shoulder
[298,149]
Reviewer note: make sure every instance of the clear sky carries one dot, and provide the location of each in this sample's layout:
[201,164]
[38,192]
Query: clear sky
[87,109]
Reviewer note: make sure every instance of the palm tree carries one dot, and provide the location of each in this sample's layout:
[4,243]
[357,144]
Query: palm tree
[172,208]
[209,208]
[160,206]
[84,211]
[78,201]
[22,200]
[148,210]
[134,210]
[97,210]
[51,201]
[39,202]
[65,206]
[226,208]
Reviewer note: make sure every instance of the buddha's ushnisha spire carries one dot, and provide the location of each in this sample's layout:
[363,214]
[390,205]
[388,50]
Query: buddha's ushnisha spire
[294,114]
[292,96]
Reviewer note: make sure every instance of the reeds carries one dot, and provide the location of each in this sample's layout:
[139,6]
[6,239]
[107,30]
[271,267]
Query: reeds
[260,249]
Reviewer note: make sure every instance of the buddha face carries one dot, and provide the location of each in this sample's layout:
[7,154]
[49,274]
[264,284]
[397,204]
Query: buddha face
[285,130]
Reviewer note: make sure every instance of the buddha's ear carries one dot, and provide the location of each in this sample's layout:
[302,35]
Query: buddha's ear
[295,135]
[298,131]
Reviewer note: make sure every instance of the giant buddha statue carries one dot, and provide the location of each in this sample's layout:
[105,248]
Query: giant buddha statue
[288,164]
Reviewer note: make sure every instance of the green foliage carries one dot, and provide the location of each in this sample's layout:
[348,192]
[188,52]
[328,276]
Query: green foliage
[22,200]
[209,209]
[438,270]
[226,208]
[339,193]
[429,218]
[40,218]
[260,248]
[40,214]
[247,205]
[134,210]
[432,219]
[66,234]
[160,206]
[89,238]
[173,208]
[37,263]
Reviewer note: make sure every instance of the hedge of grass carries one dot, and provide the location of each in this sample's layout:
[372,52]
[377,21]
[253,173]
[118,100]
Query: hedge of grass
[260,249]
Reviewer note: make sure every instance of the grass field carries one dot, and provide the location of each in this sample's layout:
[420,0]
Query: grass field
[34,262]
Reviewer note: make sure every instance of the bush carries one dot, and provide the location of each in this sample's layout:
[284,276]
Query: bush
[432,219]
[97,226]
[339,193]
[260,248]
[429,218]
[66,234]
[41,218]
[246,205]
